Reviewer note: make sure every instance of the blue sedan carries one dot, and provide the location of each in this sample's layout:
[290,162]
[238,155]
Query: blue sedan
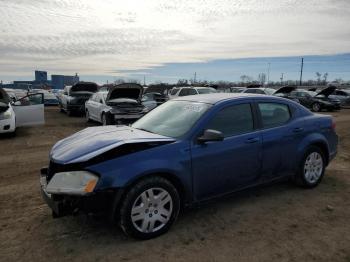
[183,152]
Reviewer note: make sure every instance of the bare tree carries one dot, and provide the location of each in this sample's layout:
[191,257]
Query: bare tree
[325,76]
[318,76]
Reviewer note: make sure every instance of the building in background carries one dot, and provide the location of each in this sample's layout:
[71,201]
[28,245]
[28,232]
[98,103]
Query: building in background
[71,80]
[60,81]
[57,81]
[40,76]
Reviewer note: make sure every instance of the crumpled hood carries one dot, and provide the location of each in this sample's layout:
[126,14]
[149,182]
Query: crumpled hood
[94,141]
[126,90]
[327,91]
[285,89]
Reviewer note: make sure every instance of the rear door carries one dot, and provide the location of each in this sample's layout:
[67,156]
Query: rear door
[280,135]
[29,110]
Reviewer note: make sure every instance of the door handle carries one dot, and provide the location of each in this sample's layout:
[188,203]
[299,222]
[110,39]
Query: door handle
[298,129]
[252,140]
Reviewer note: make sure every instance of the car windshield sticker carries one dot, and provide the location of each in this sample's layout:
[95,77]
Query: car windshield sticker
[194,108]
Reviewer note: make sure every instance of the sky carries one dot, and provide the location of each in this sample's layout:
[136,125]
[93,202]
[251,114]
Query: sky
[165,40]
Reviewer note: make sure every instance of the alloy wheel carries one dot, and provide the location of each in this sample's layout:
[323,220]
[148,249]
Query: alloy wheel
[152,210]
[316,107]
[313,167]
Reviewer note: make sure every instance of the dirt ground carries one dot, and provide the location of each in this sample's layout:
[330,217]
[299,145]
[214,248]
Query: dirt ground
[279,222]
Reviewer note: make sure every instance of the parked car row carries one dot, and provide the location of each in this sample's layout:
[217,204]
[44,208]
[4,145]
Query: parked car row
[329,98]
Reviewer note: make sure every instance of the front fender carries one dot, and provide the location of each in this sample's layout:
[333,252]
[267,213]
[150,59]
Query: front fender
[173,159]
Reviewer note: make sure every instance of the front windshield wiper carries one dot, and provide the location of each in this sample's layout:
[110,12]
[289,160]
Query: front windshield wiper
[143,129]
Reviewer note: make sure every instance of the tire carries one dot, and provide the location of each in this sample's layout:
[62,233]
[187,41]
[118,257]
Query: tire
[61,108]
[316,107]
[87,116]
[145,222]
[312,168]
[69,113]
[104,119]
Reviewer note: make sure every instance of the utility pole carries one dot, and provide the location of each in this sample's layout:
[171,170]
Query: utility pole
[282,78]
[195,77]
[268,74]
[301,71]
[144,80]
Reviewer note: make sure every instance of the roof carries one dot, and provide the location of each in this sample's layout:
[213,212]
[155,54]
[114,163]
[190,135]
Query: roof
[219,97]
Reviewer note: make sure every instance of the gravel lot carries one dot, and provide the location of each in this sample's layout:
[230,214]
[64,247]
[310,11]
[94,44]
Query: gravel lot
[275,223]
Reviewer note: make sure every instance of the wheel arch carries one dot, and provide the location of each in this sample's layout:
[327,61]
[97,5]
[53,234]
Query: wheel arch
[324,148]
[314,140]
[172,178]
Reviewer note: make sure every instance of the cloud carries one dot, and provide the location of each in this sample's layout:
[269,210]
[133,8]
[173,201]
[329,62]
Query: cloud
[113,37]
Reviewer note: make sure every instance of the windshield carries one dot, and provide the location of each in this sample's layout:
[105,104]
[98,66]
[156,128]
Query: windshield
[206,90]
[269,91]
[311,93]
[173,118]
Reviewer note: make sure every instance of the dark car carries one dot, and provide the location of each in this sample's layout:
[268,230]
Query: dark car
[74,97]
[183,152]
[158,97]
[343,95]
[285,91]
[126,104]
[315,101]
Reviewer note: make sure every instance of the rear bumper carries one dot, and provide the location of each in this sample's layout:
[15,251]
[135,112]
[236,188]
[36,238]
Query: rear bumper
[333,151]
[76,108]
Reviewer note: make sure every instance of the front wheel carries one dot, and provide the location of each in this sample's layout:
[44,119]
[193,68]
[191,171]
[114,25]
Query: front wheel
[312,168]
[87,116]
[149,208]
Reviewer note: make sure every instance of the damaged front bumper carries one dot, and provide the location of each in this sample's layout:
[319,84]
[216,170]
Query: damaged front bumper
[63,205]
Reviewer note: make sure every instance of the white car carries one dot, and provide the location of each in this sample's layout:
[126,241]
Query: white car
[189,90]
[259,90]
[27,111]
[96,108]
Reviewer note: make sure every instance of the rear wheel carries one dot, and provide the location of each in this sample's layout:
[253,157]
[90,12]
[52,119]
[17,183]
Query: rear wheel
[69,113]
[149,208]
[316,107]
[312,168]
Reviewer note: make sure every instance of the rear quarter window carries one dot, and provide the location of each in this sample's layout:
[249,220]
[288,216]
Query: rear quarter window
[274,114]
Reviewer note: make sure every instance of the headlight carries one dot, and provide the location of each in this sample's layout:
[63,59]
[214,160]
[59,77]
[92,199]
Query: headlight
[6,115]
[72,183]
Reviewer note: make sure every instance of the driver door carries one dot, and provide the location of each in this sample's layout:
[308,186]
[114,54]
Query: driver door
[29,110]
[225,166]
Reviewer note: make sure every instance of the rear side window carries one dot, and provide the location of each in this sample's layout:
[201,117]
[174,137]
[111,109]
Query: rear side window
[174,91]
[274,114]
[183,92]
[233,120]
[192,92]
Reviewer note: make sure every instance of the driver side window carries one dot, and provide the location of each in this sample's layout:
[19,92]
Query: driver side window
[233,120]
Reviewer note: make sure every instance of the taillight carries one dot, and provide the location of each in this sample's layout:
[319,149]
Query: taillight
[333,124]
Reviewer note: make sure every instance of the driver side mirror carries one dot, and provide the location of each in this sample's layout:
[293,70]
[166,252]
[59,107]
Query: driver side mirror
[210,135]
